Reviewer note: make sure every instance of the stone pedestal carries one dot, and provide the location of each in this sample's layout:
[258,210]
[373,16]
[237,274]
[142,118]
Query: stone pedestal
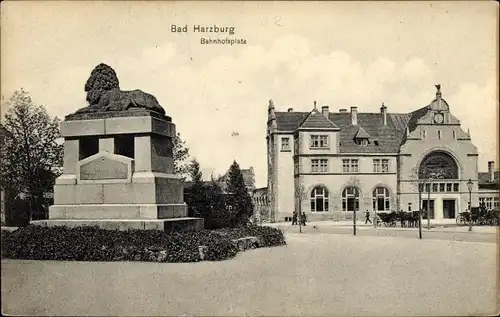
[118,174]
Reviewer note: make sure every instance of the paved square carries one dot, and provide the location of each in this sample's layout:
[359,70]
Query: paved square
[315,274]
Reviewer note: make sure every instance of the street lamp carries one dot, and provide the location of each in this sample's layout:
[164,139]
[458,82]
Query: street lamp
[429,183]
[469,186]
[354,218]
[420,190]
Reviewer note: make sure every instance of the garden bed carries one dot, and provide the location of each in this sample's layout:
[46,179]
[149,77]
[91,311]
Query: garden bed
[94,244]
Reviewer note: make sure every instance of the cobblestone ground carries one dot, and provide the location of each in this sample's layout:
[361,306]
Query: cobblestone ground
[315,274]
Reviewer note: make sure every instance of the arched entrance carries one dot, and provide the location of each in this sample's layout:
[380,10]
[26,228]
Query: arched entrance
[319,199]
[350,199]
[437,172]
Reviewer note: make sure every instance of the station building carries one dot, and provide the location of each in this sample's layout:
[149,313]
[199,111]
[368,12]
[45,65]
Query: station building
[328,164]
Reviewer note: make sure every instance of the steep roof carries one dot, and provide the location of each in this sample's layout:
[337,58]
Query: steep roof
[484,180]
[388,137]
[248,178]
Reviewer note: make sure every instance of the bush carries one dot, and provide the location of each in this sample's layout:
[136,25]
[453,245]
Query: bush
[93,244]
[268,236]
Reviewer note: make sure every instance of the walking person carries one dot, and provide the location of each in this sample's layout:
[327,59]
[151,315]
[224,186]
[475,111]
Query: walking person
[294,219]
[367,217]
[303,219]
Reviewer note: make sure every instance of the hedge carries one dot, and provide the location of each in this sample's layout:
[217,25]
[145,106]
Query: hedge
[94,244]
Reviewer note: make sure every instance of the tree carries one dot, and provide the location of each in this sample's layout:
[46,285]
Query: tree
[239,199]
[196,193]
[300,195]
[216,214]
[31,155]
[180,156]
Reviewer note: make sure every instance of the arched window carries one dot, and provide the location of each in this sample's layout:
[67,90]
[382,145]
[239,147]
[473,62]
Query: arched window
[319,199]
[381,199]
[350,199]
[438,165]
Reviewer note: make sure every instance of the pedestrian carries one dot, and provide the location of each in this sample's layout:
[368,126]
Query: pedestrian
[367,217]
[294,219]
[303,218]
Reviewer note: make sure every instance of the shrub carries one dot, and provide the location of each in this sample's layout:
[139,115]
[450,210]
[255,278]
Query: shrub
[267,236]
[93,244]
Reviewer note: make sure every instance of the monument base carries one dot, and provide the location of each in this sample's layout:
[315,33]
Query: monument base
[166,225]
[118,211]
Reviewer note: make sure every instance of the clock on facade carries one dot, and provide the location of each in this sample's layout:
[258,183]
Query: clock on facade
[438,118]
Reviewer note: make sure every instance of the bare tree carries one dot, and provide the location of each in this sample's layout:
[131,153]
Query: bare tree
[300,195]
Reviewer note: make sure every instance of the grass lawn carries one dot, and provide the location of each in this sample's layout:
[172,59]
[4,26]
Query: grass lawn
[314,274]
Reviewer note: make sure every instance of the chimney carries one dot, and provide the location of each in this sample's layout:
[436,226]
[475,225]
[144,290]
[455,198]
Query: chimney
[354,115]
[290,109]
[325,110]
[383,112]
[491,171]
[342,110]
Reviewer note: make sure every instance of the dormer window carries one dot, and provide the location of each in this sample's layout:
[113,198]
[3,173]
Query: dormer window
[362,137]
[362,142]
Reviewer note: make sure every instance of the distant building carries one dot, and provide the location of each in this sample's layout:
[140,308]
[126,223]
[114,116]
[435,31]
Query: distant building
[261,204]
[248,178]
[489,187]
[338,162]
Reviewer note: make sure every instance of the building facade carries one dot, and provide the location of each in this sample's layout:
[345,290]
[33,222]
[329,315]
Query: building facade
[489,187]
[328,164]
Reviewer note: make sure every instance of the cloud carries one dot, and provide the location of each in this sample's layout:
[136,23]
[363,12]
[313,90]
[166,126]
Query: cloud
[229,93]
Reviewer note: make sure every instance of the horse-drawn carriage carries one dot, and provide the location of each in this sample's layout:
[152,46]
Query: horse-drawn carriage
[406,219]
[481,216]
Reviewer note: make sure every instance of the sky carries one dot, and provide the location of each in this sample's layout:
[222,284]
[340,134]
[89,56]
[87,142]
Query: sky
[340,54]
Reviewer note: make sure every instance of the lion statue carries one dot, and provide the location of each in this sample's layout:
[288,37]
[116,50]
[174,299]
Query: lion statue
[104,94]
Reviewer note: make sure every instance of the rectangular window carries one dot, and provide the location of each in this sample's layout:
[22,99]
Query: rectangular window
[435,188]
[314,166]
[319,141]
[385,166]
[427,188]
[354,166]
[489,203]
[323,141]
[439,134]
[350,166]
[441,187]
[285,144]
[455,187]
[495,202]
[409,206]
[314,141]
[345,166]
[323,166]
[454,135]
[448,187]
[377,167]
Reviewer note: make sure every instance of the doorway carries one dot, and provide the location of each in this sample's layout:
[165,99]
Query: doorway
[430,210]
[448,208]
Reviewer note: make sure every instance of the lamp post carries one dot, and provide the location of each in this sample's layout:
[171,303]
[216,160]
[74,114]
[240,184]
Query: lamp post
[429,204]
[469,186]
[354,219]
[420,190]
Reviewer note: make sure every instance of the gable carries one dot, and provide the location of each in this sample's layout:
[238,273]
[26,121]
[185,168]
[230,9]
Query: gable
[316,120]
